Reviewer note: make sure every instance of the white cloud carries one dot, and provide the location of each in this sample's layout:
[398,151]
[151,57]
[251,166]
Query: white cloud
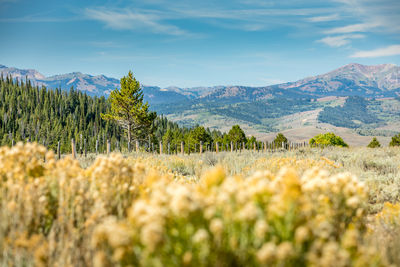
[161,20]
[384,13]
[128,20]
[392,50]
[37,18]
[263,14]
[361,27]
[368,16]
[324,18]
[341,40]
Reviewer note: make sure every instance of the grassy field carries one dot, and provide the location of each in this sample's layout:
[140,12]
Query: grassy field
[310,207]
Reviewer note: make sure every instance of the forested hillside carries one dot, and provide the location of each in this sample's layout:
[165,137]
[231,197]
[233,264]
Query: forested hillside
[38,114]
[350,115]
[32,113]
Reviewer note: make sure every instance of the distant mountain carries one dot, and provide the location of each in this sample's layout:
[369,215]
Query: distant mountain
[93,85]
[245,93]
[155,95]
[194,92]
[353,79]
[350,80]
[21,74]
[101,85]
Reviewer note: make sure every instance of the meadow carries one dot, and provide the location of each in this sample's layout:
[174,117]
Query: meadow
[308,207]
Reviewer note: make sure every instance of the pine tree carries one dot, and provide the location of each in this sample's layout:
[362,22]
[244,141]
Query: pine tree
[128,109]
[279,139]
[236,135]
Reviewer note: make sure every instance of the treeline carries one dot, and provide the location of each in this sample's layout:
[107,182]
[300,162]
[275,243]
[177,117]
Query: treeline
[37,114]
[234,139]
[354,110]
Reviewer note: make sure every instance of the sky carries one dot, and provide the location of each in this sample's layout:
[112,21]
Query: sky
[198,43]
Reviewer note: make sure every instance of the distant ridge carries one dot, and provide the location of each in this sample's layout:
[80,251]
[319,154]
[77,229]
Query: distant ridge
[353,79]
[383,79]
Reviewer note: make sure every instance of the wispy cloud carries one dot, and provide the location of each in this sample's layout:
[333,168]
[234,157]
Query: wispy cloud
[35,19]
[105,44]
[383,13]
[162,20]
[361,27]
[129,20]
[392,50]
[248,14]
[362,16]
[341,40]
[324,18]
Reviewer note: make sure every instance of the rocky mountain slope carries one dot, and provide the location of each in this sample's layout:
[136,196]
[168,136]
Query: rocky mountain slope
[353,79]
[350,80]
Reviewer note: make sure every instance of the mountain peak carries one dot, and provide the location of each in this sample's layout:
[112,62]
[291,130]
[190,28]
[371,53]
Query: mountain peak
[354,79]
[353,65]
[21,73]
[361,66]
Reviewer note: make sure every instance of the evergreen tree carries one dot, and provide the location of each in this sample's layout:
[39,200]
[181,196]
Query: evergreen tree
[173,137]
[374,143]
[129,111]
[236,135]
[279,139]
[251,141]
[196,135]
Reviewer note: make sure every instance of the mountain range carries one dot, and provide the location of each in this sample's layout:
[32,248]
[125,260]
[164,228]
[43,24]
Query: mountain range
[265,109]
[352,79]
[93,85]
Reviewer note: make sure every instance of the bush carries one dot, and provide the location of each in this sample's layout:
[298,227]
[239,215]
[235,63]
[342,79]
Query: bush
[328,139]
[374,143]
[395,140]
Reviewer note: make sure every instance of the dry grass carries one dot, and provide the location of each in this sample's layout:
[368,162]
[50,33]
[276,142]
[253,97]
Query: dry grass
[378,168]
[298,208]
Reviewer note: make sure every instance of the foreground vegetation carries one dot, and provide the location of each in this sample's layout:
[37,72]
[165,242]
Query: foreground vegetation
[229,209]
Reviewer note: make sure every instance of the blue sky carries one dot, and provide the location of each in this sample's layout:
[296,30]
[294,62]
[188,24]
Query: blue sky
[199,43]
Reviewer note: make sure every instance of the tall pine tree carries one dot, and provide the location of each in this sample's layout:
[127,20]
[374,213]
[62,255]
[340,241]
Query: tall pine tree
[129,111]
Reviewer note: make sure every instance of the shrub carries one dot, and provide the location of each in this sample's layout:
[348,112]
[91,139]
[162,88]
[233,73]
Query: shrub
[260,220]
[395,140]
[136,212]
[374,143]
[328,139]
